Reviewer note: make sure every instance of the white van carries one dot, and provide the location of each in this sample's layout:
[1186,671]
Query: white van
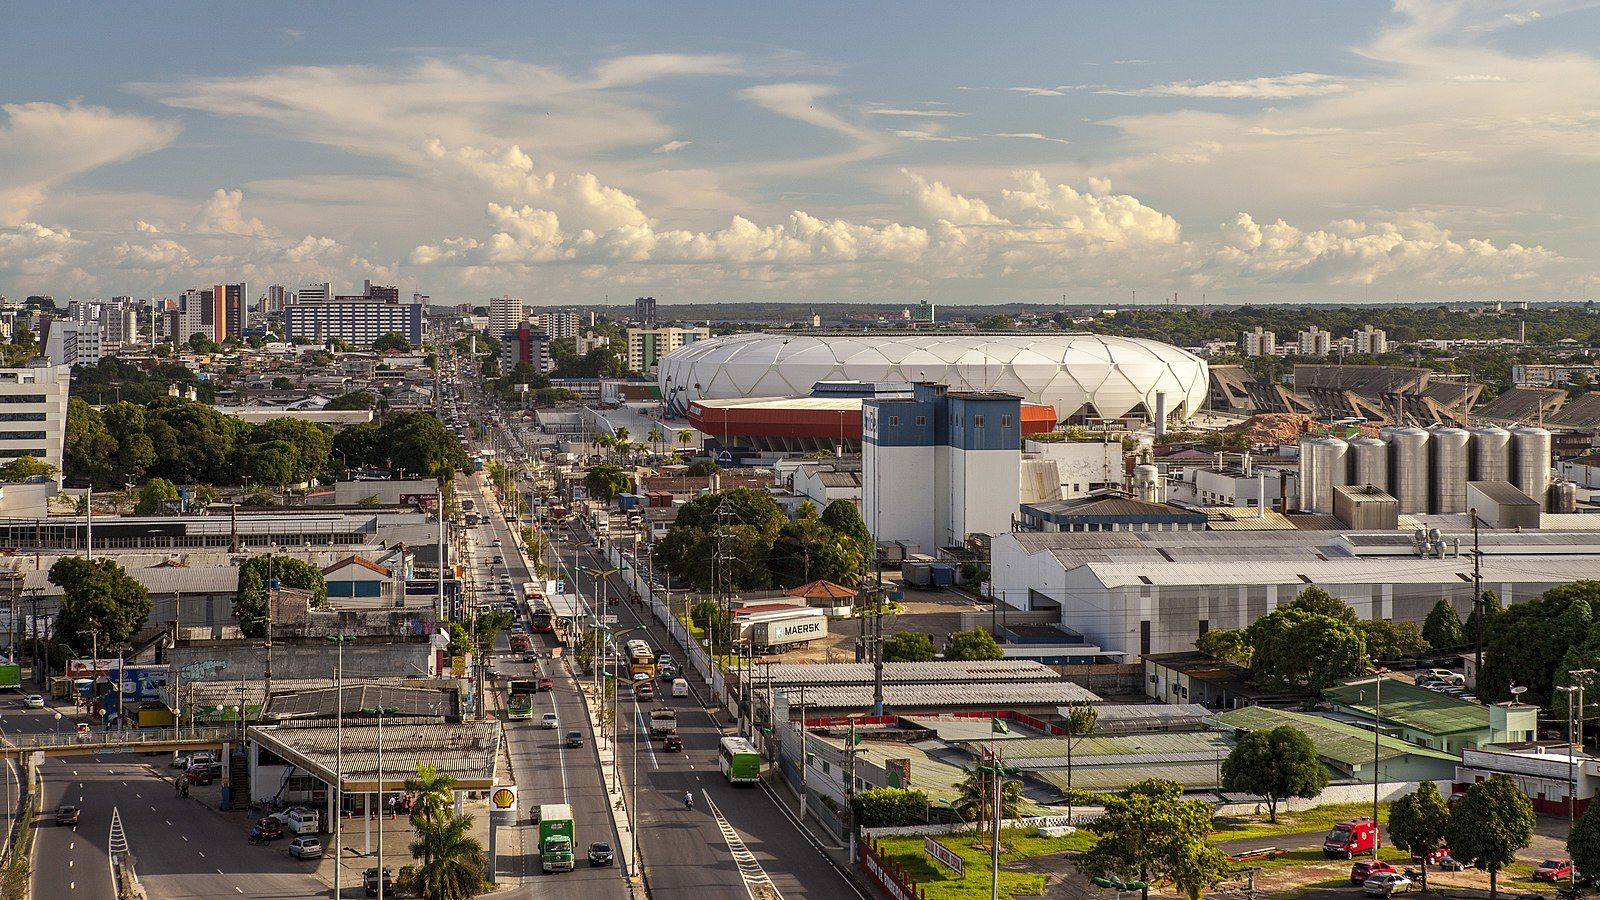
[680,687]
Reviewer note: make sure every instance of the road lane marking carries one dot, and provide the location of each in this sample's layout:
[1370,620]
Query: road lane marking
[757,883]
[185,837]
[201,852]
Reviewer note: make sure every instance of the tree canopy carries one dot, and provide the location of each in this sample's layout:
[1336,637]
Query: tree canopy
[1489,825]
[1149,832]
[392,340]
[606,480]
[976,644]
[1443,628]
[908,646]
[1535,642]
[1276,764]
[24,468]
[1584,841]
[98,598]
[250,599]
[415,443]
[1299,649]
[1417,823]
[153,494]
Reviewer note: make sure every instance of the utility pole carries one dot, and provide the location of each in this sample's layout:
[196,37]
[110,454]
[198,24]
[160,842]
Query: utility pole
[804,790]
[877,640]
[1477,600]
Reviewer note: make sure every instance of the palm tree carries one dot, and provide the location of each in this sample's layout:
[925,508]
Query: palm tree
[450,862]
[973,800]
[622,434]
[605,441]
[685,438]
[656,437]
[433,792]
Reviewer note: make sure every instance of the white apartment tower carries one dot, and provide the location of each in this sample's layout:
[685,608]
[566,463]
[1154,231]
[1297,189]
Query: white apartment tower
[1258,343]
[1371,341]
[315,293]
[35,403]
[505,314]
[1315,342]
[558,323]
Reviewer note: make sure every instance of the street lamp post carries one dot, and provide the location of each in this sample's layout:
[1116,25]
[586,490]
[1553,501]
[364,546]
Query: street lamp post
[1377,740]
[380,712]
[1571,690]
[339,640]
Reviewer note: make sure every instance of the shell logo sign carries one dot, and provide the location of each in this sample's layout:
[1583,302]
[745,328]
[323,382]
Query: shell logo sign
[503,798]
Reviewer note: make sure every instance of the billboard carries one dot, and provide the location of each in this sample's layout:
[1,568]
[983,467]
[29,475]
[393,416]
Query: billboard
[92,668]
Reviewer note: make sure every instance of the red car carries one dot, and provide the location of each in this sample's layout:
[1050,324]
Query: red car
[1553,870]
[268,829]
[546,684]
[672,744]
[200,774]
[1366,868]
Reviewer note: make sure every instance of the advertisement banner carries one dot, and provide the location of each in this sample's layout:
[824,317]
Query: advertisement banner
[91,668]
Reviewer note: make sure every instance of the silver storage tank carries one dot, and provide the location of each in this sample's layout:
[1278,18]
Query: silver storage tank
[1449,450]
[1530,461]
[1490,453]
[1563,497]
[1369,463]
[1322,465]
[1408,467]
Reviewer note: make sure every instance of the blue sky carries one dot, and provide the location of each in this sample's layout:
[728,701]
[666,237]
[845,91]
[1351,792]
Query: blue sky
[730,151]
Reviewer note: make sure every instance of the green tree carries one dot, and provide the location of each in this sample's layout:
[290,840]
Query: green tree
[1231,644]
[1493,617]
[1417,823]
[1530,641]
[392,340]
[24,468]
[1302,650]
[434,795]
[1443,627]
[153,494]
[250,599]
[889,808]
[308,446]
[1316,600]
[1489,825]
[702,468]
[1391,640]
[134,451]
[98,597]
[450,862]
[976,644]
[1584,841]
[606,481]
[908,646]
[1276,763]
[193,442]
[975,797]
[353,400]
[1080,721]
[806,550]
[90,453]
[843,517]
[1149,832]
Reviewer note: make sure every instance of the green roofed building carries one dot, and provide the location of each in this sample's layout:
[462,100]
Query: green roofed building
[1347,749]
[1435,720]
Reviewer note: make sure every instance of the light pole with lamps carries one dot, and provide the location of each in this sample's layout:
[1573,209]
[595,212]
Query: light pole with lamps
[1377,741]
[1571,690]
[339,640]
[380,712]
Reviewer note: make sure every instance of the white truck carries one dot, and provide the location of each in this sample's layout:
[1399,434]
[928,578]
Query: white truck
[663,722]
[787,633]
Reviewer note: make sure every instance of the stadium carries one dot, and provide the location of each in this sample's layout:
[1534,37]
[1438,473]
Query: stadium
[1084,377]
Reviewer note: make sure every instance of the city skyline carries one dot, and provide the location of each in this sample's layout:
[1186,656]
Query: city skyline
[1293,152]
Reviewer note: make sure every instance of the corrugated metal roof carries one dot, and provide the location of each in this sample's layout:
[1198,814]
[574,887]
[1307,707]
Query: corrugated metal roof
[1406,704]
[949,696]
[935,672]
[1347,745]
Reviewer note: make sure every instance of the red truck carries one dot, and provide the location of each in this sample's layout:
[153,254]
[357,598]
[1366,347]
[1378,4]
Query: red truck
[1351,839]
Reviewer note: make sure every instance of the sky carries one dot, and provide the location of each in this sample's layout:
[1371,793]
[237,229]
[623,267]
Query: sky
[1086,152]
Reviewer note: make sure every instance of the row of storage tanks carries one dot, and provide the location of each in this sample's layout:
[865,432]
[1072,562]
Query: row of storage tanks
[1427,469]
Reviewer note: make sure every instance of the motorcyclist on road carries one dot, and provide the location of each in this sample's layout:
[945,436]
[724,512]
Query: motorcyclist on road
[688,800]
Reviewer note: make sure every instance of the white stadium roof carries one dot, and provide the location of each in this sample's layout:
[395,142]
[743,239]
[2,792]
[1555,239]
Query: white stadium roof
[1114,375]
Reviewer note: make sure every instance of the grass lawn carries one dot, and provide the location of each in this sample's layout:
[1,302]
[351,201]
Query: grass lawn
[1320,818]
[1018,844]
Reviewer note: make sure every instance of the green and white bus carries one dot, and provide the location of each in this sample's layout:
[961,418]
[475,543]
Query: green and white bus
[519,698]
[741,764]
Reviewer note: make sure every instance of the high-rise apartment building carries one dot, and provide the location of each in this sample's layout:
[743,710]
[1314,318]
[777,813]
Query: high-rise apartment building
[558,323]
[505,314]
[1258,343]
[34,407]
[644,310]
[381,293]
[647,345]
[276,298]
[525,344]
[358,322]
[1315,342]
[1370,341]
[230,311]
[70,343]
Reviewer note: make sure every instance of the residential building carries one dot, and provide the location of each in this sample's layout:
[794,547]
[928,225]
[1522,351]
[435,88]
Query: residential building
[119,322]
[1315,342]
[644,310]
[1259,343]
[191,315]
[1548,374]
[69,343]
[321,292]
[940,466]
[525,344]
[33,413]
[1370,341]
[380,293]
[357,322]
[505,314]
[276,298]
[230,311]
[1433,719]
[559,324]
[647,345]
[589,341]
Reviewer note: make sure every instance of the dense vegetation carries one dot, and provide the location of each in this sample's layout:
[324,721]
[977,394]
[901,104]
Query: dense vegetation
[761,547]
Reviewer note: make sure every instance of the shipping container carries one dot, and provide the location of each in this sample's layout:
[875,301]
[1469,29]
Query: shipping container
[787,634]
[943,574]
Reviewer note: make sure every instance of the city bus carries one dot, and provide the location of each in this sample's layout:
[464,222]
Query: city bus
[641,659]
[740,762]
[519,698]
[542,621]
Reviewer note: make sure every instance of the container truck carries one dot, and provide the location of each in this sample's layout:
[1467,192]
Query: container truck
[556,837]
[793,632]
[663,722]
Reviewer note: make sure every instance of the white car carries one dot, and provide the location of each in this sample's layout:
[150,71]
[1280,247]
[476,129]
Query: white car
[33,701]
[549,721]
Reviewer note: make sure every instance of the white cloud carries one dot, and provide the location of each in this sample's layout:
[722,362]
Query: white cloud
[627,71]
[1276,87]
[1039,91]
[1030,136]
[223,213]
[1468,79]
[672,146]
[1522,18]
[919,113]
[45,144]
[931,132]
[801,101]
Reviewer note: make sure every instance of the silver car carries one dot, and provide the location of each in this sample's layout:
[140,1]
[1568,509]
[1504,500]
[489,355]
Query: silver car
[305,847]
[1385,883]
